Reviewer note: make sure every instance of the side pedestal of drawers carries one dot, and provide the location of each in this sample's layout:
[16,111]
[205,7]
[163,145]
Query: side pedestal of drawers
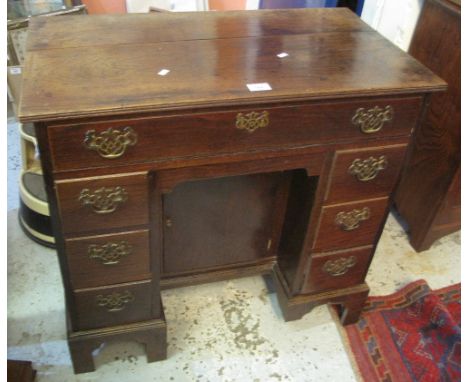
[351,207]
[107,247]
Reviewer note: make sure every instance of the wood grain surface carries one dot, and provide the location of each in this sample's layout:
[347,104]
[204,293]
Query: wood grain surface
[331,236]
[217,222]
[345,186]
[86,272]
[318,279]
[90,314]
[179,26]
[80,218]
[326,59]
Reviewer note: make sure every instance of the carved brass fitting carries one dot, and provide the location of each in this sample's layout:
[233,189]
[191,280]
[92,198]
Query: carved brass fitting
[339,266]
[351,220]
[115,301]
[367,169]
[372,120]
[110,143]
[104,200]
[110,253]
[252,121]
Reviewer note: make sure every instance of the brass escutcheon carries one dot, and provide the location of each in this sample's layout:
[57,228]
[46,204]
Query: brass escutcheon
[351,220]
[339,266]
[109,253]
[104,200]
[115,301]
[367,169]
[372,120]
[252,121]
[110,143]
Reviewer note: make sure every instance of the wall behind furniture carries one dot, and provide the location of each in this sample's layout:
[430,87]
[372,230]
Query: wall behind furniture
[394,19]
[142,6]
[95,7]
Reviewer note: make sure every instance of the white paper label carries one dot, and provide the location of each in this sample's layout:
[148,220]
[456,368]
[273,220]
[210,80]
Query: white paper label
[15,70]
[259,87]
[282,55]
[163,72]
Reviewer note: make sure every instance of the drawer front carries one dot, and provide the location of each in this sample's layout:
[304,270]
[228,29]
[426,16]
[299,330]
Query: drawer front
[108,259]
[110,306]
[103,202]
[349,225]
[337,270]
[130,141]
[364,173]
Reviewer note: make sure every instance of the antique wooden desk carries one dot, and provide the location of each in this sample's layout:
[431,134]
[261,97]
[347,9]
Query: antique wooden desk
[160,179]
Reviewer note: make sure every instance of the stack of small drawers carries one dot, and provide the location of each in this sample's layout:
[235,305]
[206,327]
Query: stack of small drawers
[351,215]
[105,224]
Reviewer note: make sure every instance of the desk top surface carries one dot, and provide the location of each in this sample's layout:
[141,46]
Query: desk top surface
[84,66]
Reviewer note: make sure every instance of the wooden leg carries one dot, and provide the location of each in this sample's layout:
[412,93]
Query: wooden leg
[352,307]
[156,348]
[151,333]
[81,355]
[352,300]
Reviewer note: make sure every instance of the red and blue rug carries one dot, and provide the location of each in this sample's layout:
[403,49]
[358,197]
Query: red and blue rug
[411,335]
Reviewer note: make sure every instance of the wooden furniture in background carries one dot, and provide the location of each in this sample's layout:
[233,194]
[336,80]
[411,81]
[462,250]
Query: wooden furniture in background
[428,195]
[157,181]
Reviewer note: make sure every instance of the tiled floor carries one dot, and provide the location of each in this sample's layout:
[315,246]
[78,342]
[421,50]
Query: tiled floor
[224,331]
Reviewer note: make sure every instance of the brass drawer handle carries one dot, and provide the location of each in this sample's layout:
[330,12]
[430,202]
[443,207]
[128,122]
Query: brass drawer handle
[351,220]
[110,143]
[339,266]
[367,169]
[115,301]
[372,120]
[104,200]
[109,253]
[252,121]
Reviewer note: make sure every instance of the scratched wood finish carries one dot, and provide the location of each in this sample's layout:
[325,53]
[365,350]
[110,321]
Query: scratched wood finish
[86,272]
[332,236]
[427,188]
[345,186]
[212,71]
[319,279]
[131,212]
[194,134]
[91,315]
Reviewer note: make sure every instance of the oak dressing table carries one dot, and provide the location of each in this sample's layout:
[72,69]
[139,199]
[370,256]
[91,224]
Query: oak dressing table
[163,169]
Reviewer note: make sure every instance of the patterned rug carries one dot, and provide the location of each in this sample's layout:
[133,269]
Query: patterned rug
[411,335]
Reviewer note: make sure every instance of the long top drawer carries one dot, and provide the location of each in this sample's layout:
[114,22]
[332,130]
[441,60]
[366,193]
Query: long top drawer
[102,144]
